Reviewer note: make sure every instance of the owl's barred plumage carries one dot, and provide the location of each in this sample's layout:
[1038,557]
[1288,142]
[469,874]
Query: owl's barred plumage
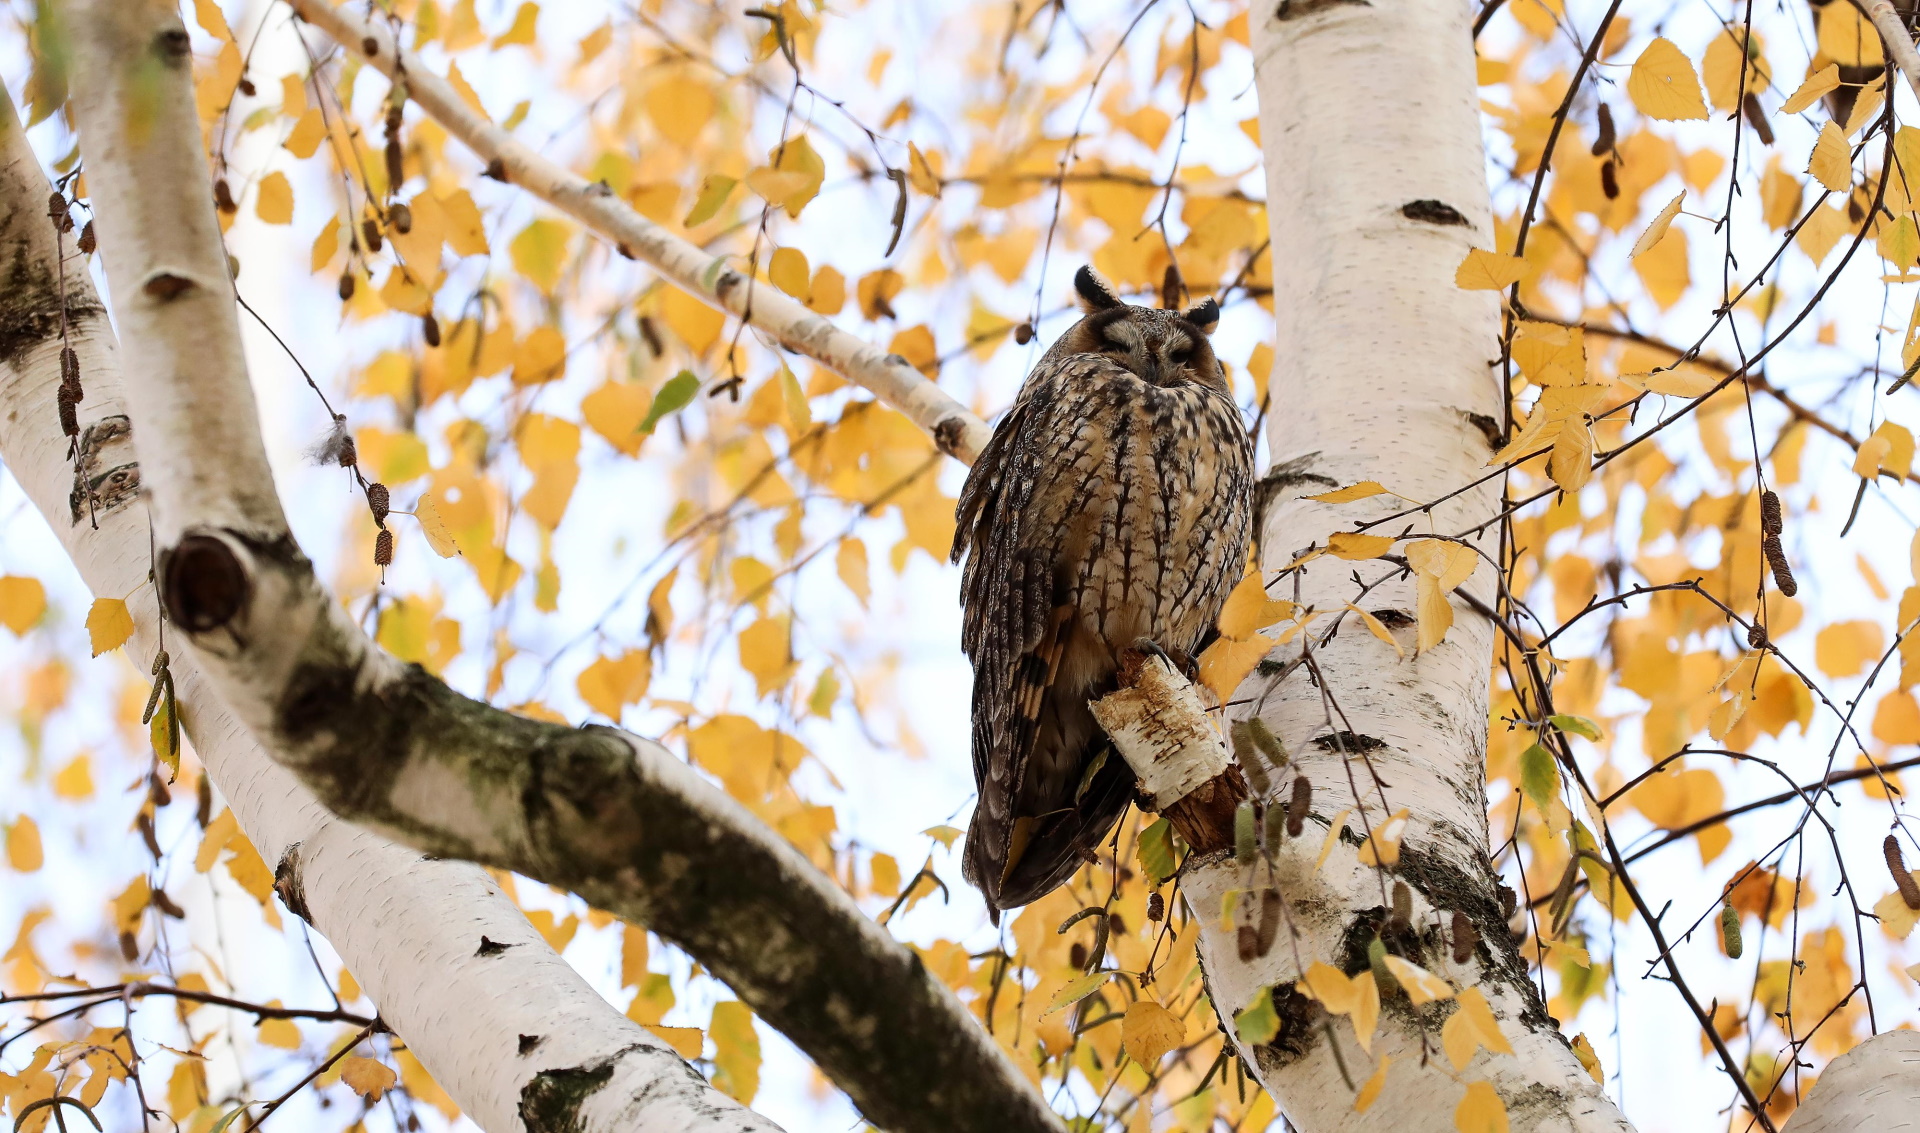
[1114,503]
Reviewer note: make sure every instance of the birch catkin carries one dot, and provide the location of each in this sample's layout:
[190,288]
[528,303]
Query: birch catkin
[1897,865]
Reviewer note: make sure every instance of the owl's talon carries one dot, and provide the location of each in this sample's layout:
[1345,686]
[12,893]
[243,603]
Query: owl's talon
[1177,659]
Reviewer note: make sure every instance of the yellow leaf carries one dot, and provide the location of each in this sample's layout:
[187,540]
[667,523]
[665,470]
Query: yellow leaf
[275,202]
[1726,68]
[829,291]
[1370,1089]
[539,357]
[886,874]
[434,526]
[876,291]
[22,601]
[851,564]
[1482,1111]
[109,624]
[1422,987]
[1658,229]
[523,28]
[1366,1010]
[1810,92]
[736,1050]
[1334,829]
[1896,919]
[1665,270]
[788,270]
[327,244]
[685,1041]
[540,251]
[1583,1050]
[680,107]
[1889,451]
[366,1077]
[281,1033]
[766,652]
[916,345]
[1149,1031]
[307,133]
[211,19]
[1248,609]
[1831,162]
[1844,649]
[1335,990]
[1351,492]
[1470,1027]
[1571,463]
[24,854]
[1848,38]
[1225,663]
[695,323]
[615,411]
[1549,354]
[610,684]
[1354,545]
[1382,847]
[1663,84]
[1438,567]
[920,172]
[1377,628]
[1488,271]
[131,904]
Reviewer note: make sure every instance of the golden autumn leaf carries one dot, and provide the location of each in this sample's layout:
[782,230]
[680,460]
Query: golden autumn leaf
[1369,1091]
[1810,91]
[22,601]
[367,1077]
[1488,271]
[1657,230]
[1149,1031]
[1422,987]
[1848,38]
[281,1033]
[1365,489]
[611,683]
[1354,545]
[1733,66]
[434,526]
[788,270]
[1481,1110]
[1470,1027]
[274,202]
[1831,162]
[540,251]
[109,624]
[24,854]
[1226,663]
[1248,609]
[1663,84]
[1845,649]
[1439,567]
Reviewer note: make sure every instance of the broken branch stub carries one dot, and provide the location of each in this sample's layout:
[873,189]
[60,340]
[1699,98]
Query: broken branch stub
[1159,725]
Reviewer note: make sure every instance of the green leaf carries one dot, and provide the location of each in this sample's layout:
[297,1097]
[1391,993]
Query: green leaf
[228,1117]
[1155,851]
[715,188]
[1076,990]
[1577,726]
[1539,778]
[1259,1022]
[673,397]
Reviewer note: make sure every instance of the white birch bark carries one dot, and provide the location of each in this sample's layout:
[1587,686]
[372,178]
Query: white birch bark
[706,277]
[1876,1086]
[1376,189]
[408,927]
[604,814]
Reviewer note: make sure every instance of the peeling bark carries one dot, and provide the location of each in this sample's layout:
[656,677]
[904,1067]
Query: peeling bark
[604,814]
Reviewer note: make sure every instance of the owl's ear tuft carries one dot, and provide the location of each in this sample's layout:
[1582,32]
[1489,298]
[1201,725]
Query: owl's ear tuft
[1095,293]
[1204,315]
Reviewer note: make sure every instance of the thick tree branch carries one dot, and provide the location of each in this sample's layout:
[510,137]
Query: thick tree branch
[708,278]
[409,927]
[1893,32]
[604,814]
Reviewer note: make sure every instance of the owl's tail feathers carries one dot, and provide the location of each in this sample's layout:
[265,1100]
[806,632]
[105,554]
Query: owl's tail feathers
[1045,851]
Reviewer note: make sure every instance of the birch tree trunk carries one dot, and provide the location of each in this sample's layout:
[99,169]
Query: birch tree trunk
[1376,189]
[408,927]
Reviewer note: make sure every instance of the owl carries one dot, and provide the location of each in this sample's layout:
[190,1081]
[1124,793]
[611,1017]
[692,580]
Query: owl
[1112,507]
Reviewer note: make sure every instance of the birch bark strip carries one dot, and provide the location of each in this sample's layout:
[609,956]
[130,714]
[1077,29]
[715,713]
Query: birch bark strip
[408,927]
[708,278]
[612,817]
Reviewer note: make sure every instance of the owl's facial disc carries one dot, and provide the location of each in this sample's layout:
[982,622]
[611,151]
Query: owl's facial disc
[1161,357]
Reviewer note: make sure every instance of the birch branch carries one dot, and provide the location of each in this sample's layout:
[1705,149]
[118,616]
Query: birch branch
[612,817]
[1893,32]
[1876,1085]
[708,278]
[409,927]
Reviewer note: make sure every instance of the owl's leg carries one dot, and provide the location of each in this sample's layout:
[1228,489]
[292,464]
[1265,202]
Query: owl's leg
[1178,659]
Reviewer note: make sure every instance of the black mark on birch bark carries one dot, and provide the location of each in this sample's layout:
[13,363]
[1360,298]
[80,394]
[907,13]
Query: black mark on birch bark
[288,884]
[528,1043]
[1352,743]
[1300,9]
[203,584]
[106,477]
[166,286]
[490,947]
[1434,212]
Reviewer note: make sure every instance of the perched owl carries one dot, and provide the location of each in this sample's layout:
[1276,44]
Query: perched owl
[1114,503]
